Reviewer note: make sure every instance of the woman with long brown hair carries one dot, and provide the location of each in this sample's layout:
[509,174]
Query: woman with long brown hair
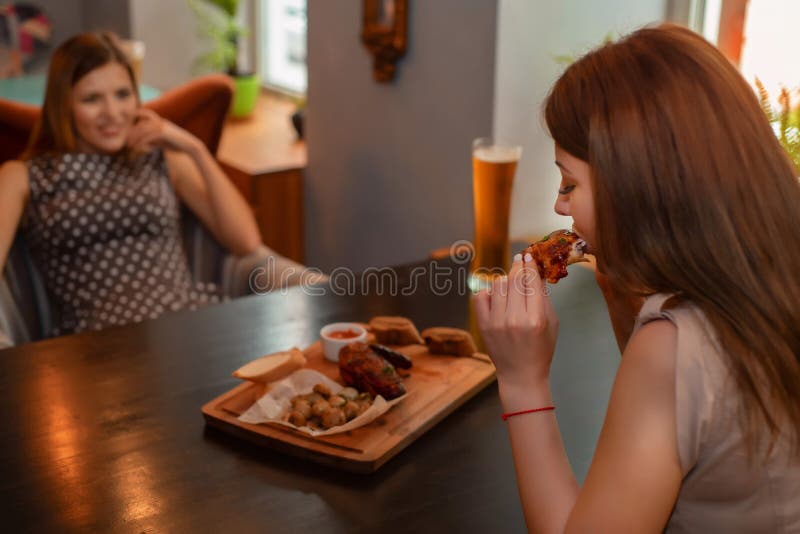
[97,195]
[674,179]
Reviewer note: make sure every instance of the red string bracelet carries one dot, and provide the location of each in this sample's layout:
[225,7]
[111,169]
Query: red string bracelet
[512,414]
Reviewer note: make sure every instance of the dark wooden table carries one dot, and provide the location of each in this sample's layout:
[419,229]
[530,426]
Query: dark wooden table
[103,431]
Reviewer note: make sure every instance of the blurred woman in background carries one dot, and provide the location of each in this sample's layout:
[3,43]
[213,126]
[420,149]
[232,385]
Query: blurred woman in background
[97,195]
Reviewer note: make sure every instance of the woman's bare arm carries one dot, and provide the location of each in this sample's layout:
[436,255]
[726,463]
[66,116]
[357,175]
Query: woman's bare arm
[199,181]
[204,187]
[635,474]
[14,191]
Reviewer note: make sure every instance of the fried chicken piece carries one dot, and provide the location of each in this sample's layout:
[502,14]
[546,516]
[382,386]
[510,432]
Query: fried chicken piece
[365,370]
[554,252]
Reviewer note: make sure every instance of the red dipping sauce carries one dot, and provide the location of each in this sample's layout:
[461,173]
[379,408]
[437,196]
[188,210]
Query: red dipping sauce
[343,334]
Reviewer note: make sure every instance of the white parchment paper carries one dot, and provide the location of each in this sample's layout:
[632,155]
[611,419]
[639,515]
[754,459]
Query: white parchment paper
[276,402]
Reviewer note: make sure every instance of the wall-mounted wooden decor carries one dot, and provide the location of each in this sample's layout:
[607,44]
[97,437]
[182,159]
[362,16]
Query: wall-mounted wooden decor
[384,35]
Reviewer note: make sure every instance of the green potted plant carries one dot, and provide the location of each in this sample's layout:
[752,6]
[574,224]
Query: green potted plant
[217,23]
[785,121]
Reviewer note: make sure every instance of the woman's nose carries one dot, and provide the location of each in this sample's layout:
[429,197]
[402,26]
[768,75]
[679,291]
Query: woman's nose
[112,108]
[562,206]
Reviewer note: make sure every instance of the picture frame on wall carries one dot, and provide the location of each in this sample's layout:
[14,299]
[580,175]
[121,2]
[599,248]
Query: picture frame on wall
[384,33]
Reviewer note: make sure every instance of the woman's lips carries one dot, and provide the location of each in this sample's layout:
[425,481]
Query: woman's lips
[111,131]
[587,248]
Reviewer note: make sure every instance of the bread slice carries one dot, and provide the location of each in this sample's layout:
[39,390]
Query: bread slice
[371,339]
[394,331]
[272,366]
[452,341]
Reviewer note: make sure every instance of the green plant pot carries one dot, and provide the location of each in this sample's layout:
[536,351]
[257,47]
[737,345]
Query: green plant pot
[245,95]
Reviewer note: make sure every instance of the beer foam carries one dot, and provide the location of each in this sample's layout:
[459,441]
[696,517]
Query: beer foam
[497,154]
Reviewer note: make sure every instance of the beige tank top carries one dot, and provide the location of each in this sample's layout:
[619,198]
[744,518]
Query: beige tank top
[720,492]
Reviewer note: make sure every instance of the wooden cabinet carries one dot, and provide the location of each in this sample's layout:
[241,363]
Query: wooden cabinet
[263,157]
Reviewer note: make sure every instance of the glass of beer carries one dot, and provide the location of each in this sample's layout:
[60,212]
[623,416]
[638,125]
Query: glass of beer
[493,167]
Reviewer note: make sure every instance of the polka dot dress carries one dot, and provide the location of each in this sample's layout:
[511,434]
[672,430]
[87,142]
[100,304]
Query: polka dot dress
[104,232]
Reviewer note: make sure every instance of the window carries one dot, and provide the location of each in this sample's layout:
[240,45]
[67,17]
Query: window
[702,17]
[721,22]
[769,49]
[281,42]
[760,36]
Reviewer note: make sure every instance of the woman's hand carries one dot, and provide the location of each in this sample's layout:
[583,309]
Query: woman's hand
[518,325]
[152,131]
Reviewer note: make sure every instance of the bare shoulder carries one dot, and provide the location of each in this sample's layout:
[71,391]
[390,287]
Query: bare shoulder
[14,179]
[652,348]
[647,370]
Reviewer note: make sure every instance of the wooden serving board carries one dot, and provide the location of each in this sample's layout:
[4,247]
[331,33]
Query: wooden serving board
[436,386]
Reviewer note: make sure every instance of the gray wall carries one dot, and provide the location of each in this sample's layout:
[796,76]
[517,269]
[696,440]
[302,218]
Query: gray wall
[66,17]
[112,15]
[169,31]
[69,17]
[530,35]
[389,171]
[172,38]
[167,27]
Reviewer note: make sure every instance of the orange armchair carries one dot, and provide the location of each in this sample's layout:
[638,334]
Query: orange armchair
[16,125]
[199,106]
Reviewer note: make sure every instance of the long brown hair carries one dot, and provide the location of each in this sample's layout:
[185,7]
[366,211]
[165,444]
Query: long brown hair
[694,196]
[74,59]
